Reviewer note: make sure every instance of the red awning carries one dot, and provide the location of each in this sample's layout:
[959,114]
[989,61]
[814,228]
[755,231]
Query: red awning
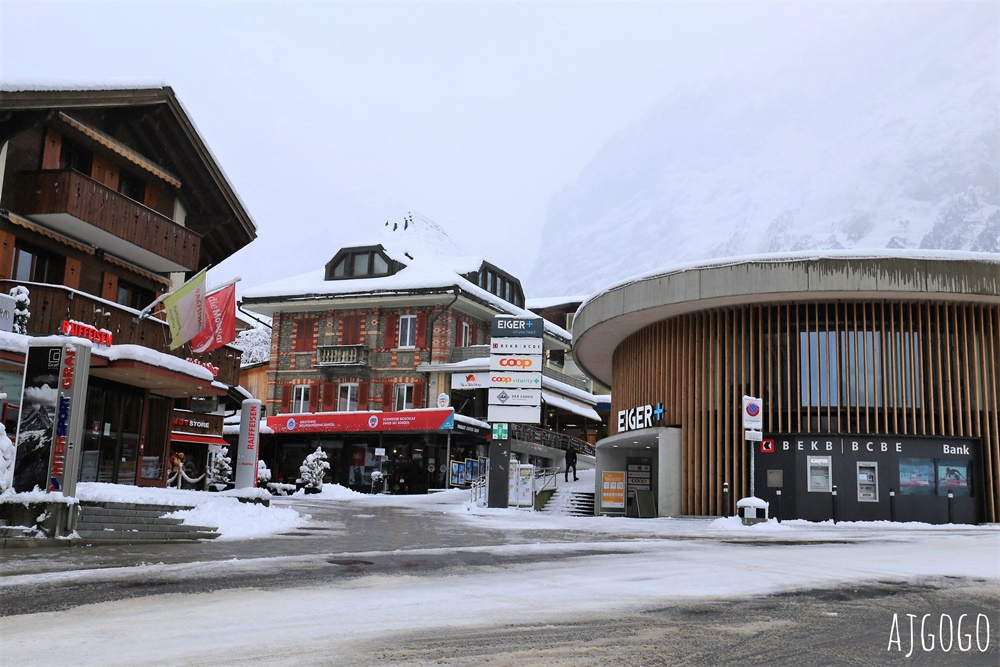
[198,438]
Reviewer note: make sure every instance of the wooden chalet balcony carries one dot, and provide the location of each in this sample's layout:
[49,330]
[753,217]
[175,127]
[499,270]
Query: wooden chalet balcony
[51,304]
[341,355]
[63,199]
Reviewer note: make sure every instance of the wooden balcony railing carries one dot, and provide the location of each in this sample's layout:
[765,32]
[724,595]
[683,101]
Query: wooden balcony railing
[341,355]
[51,304]
[72,193]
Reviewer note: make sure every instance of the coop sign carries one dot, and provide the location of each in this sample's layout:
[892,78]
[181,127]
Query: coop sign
[642,416]
[86,331]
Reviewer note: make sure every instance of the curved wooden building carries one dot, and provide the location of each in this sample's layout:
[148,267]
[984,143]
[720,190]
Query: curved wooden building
[898,356]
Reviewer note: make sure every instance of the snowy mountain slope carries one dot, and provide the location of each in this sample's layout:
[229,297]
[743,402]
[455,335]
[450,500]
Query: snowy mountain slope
[888,137]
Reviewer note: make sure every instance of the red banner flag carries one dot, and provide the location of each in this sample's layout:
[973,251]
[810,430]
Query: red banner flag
[220,321]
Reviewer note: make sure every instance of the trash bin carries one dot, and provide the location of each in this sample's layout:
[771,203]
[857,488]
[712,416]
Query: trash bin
[751,510]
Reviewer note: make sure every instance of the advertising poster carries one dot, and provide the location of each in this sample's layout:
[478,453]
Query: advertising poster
[953,476]
[613,490]
[525,484]
[916,477]
[50,422]
[471,469]
[38,416]
[458,473]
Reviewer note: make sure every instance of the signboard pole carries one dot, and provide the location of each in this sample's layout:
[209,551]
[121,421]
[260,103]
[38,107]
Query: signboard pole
[499,475]
[247,449]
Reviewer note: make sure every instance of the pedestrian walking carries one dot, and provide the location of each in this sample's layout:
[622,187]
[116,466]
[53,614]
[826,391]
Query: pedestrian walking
[571,463]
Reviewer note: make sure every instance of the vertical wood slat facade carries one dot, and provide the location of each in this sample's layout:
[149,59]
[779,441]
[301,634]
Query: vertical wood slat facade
[874,367]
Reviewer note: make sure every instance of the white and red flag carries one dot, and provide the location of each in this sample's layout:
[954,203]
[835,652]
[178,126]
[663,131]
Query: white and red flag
[220,320]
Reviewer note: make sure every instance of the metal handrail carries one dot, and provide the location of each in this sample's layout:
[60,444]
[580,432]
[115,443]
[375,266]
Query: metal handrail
[543,476]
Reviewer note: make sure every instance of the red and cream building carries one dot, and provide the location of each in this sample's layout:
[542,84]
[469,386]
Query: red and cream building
[385,328]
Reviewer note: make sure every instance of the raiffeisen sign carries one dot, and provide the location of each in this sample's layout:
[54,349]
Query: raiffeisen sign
[642,416]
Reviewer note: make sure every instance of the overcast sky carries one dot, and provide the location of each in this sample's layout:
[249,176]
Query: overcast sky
[331,117]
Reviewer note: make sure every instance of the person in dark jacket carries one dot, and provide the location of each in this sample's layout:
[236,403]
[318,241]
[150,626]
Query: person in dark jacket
[571,463]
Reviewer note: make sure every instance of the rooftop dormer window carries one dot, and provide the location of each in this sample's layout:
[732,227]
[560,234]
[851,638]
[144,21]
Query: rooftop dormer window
[358,263]
[501,284]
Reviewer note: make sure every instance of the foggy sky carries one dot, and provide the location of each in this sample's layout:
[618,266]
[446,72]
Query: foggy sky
[331,117]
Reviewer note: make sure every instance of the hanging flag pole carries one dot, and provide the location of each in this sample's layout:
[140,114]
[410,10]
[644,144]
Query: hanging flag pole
[145,312]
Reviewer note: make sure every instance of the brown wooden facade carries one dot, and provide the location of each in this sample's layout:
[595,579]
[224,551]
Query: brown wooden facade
[866,366]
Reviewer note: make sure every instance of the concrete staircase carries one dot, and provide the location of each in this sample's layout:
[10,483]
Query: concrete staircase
[123,523]
[570,502]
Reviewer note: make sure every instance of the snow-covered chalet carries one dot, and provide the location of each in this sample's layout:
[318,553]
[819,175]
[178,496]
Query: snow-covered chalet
[109,198]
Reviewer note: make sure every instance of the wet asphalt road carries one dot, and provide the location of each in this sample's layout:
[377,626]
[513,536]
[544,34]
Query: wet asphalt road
[844,626]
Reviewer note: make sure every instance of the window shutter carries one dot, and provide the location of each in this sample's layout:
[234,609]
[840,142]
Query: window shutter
[351,330]
[304,334]
[391,336]
[109,287]
[286,397]
[329,397]
[71,274]
[314,397]
[421,330]
[149,196]
[362,396]
[418,394]
[52,149]
[388,399]
[7,241]
[458,332]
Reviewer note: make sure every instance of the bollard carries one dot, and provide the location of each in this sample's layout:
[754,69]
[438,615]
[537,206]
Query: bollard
[951,497]
[777,506]
[892,505]
[833,497]
[725,499]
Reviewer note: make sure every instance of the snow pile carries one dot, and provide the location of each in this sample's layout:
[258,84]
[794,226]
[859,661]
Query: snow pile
[235,520]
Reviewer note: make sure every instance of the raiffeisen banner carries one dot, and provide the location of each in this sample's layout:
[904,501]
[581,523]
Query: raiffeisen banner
[437,419]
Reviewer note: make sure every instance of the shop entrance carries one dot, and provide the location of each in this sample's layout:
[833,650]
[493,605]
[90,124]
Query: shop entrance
[111,434]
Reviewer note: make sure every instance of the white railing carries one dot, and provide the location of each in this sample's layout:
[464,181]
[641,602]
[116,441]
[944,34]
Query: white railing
[546,478]
[479,489]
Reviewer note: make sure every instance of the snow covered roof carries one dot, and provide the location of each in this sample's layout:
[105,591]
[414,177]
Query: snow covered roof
[805,255]
[18,343]
[428,267]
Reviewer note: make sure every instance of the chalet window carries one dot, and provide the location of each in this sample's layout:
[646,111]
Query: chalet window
[403,396]
[131,187]
[300,398]
[408,331]
[35,265]
[360,264]
[133,296]
[75,157]
[347,397]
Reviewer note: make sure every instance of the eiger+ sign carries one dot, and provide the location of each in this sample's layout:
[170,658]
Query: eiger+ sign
[518,327]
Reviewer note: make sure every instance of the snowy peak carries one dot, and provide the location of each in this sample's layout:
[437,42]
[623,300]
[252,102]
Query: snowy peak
[888,137]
